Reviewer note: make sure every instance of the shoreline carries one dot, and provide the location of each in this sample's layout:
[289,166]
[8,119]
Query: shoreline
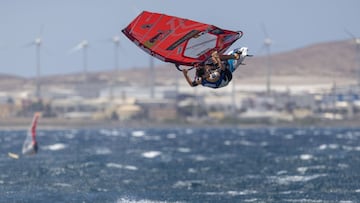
[59,124]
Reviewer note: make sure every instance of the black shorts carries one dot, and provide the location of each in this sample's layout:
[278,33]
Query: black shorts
[228,74]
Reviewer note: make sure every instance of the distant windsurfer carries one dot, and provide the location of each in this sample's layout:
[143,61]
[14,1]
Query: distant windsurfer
[30,145]
[217,74]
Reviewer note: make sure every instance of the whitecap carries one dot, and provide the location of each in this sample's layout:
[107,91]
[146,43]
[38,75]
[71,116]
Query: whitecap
[138,133]
[264,144]
[246,143]
[323,147]
[343,166]
[304,169]
[188,184]
[184,150]
[333,146]
[189,131]
[305,200]
[120,166]
[102,189]
[131,168]
[102,151]
[107,132]
[152,138]
[171,136]
[306,156]
[70,135]
[199,158]
[227,142]
[281,172]
[128,200]
[328,146]
[301,132]
[114,165]
[285,180]
[55,147]
[232,193]
[244,192]
[192,170]
[151,154]
[289,136]
[62,184]
[251,200]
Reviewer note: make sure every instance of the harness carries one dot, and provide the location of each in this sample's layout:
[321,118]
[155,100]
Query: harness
[224,79]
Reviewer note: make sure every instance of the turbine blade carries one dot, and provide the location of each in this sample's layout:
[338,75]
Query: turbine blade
[264,30]
[349,33]
[29,44]
[76,48]
[41,30]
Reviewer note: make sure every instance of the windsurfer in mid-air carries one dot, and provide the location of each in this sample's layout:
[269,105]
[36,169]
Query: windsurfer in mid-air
[219,73]
[30,145]
[185,42]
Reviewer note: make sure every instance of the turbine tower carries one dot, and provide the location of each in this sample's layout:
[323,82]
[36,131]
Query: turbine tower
[233,98]
[152,78]
[37,42]
[357,54]
[83,45]
[116,41]
[267,45]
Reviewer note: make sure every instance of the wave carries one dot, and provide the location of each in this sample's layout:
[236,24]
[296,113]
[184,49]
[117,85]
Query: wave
[55,147]
[306,157]
[127,200]
[108,132]
[183,150]
[120,166]
[287,179]
[138,133]
[232,193]
[103,151]
[151,154]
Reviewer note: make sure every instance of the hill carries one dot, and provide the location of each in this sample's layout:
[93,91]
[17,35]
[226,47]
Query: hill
[318,63]
[323,62]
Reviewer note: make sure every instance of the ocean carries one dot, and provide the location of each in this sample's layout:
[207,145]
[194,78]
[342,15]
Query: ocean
[158,165]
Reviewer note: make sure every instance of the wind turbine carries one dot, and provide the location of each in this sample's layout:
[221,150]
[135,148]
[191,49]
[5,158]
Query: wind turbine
[83,45]
[357,53]
[37,42]
[116,41]
[267,45]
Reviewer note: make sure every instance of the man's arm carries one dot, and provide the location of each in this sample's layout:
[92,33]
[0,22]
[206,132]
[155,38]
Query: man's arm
[191,83]
[225,57]
[216,59]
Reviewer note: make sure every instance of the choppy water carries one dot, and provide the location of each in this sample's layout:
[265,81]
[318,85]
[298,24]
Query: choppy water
[183,165]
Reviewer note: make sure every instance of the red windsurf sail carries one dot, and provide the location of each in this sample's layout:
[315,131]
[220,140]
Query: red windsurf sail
[177,40]
[30,141]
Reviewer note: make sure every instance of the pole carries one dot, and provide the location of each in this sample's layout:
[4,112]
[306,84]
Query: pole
[152,78]
[38,90]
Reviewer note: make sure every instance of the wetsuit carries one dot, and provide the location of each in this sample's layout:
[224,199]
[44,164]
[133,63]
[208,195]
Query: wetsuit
[224,79]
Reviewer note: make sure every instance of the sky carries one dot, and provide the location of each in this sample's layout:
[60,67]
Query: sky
[291,24]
